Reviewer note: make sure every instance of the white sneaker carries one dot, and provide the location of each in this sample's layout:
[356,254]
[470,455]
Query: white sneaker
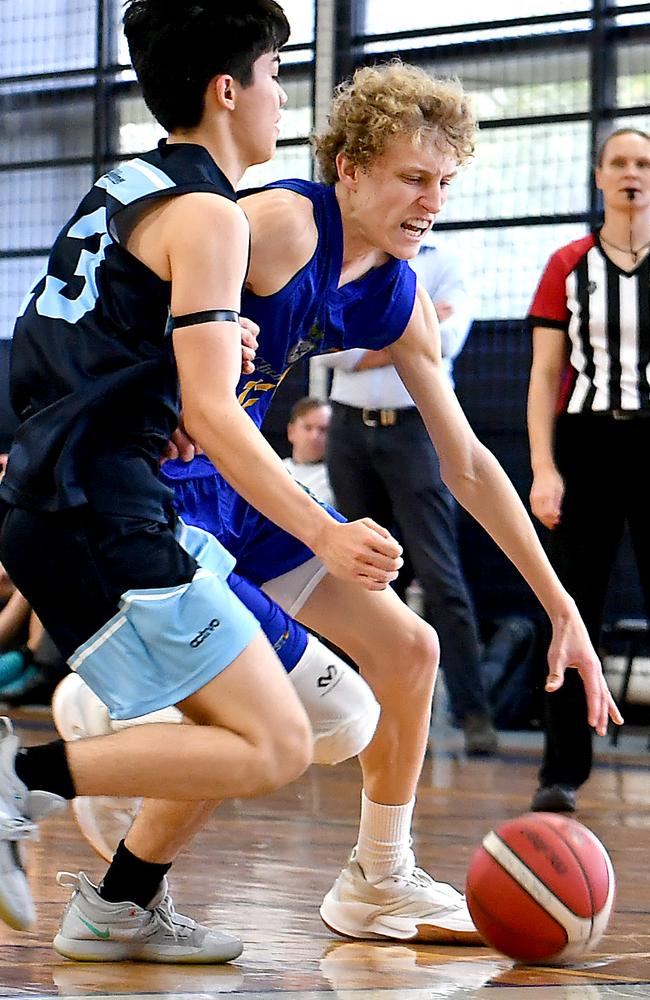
[94,930]
[407,905]
[18,809]
[78,713]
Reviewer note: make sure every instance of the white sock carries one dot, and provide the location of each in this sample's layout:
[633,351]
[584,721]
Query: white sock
[384,837]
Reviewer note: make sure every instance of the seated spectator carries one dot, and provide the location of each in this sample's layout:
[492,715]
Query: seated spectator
[307,434]
[30,664]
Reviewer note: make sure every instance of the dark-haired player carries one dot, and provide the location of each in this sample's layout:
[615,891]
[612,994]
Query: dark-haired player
[144,611]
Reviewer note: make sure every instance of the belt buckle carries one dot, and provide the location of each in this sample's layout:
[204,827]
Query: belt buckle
[387,418]
[367,419]
[622,414]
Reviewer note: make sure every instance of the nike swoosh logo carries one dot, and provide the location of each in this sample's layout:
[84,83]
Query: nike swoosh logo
[95,930]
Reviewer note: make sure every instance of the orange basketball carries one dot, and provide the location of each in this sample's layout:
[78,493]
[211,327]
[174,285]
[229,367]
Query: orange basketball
[540,888]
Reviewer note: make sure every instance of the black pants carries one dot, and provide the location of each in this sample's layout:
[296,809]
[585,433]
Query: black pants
[392,474]
[604,465]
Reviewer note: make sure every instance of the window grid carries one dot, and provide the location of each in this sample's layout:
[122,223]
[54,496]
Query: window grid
[547,79]
[69,108]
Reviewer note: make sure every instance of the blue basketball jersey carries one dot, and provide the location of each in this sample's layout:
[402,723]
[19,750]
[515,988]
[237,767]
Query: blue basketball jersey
[93,378]
[310,315]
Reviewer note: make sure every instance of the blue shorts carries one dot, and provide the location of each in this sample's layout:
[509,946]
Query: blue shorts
[262,550]
[288,638]
[146,618]
[166,643]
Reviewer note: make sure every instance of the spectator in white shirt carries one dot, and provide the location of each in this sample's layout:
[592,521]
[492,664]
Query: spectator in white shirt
[307,434]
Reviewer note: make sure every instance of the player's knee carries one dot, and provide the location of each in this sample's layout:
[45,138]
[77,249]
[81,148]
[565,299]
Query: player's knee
[284,753]
[353,728]
[296,750]
[342,709]
[421,655]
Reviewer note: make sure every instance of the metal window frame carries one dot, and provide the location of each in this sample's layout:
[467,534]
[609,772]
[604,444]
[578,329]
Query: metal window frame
[337,49]
[100,83]
[601,41]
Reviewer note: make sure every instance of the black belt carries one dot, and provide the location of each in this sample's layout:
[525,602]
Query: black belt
[617,414]
[376,418]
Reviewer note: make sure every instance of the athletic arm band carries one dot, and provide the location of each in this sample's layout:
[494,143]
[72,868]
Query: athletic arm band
[207,316]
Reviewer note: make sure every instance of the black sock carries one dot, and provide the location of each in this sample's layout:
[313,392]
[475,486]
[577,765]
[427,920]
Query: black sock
[46,768]
[131,879]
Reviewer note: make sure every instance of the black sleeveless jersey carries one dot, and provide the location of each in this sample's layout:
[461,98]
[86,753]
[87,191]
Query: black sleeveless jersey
[93,378]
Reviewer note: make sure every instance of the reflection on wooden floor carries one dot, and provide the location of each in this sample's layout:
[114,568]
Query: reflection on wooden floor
[261,867]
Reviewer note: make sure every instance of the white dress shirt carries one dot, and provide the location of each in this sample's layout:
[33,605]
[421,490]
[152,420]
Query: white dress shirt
[314,476]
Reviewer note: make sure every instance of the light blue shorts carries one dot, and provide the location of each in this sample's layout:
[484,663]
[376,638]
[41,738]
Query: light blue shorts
[166,643]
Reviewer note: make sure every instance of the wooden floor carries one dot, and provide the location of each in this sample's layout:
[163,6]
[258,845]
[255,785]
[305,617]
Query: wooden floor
[261,867]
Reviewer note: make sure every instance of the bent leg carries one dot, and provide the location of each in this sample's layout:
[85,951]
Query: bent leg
[340,705]
[397,653]
[251,736]
[380,893]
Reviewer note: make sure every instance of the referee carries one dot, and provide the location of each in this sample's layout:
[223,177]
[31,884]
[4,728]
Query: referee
[589,426]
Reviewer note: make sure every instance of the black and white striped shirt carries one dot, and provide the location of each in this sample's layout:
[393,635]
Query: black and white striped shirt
[606,314]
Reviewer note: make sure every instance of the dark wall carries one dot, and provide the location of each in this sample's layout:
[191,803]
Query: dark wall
[7,418]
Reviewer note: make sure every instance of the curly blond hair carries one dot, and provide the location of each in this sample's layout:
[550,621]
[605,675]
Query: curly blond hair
[393,99]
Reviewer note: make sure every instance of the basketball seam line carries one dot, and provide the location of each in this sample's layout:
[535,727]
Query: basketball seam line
[513,865]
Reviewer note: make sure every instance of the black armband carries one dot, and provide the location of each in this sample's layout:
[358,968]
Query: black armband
[207,316]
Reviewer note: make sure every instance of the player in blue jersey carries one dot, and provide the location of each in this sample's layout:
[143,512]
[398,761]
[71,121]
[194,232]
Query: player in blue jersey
[329,271]
[144,608]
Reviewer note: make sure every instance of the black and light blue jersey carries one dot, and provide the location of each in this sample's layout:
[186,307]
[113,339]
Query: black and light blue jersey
[93,378]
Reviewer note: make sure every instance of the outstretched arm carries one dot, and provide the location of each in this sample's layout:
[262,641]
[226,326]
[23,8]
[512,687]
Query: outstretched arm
[479,483]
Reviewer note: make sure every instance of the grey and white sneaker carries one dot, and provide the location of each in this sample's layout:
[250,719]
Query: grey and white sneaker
[94,930]
[19,808]
[407,905]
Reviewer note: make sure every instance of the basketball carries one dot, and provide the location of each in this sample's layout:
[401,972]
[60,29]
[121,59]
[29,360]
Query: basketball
[540,889]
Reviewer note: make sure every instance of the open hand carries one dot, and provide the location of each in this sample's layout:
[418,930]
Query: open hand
[572,648]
